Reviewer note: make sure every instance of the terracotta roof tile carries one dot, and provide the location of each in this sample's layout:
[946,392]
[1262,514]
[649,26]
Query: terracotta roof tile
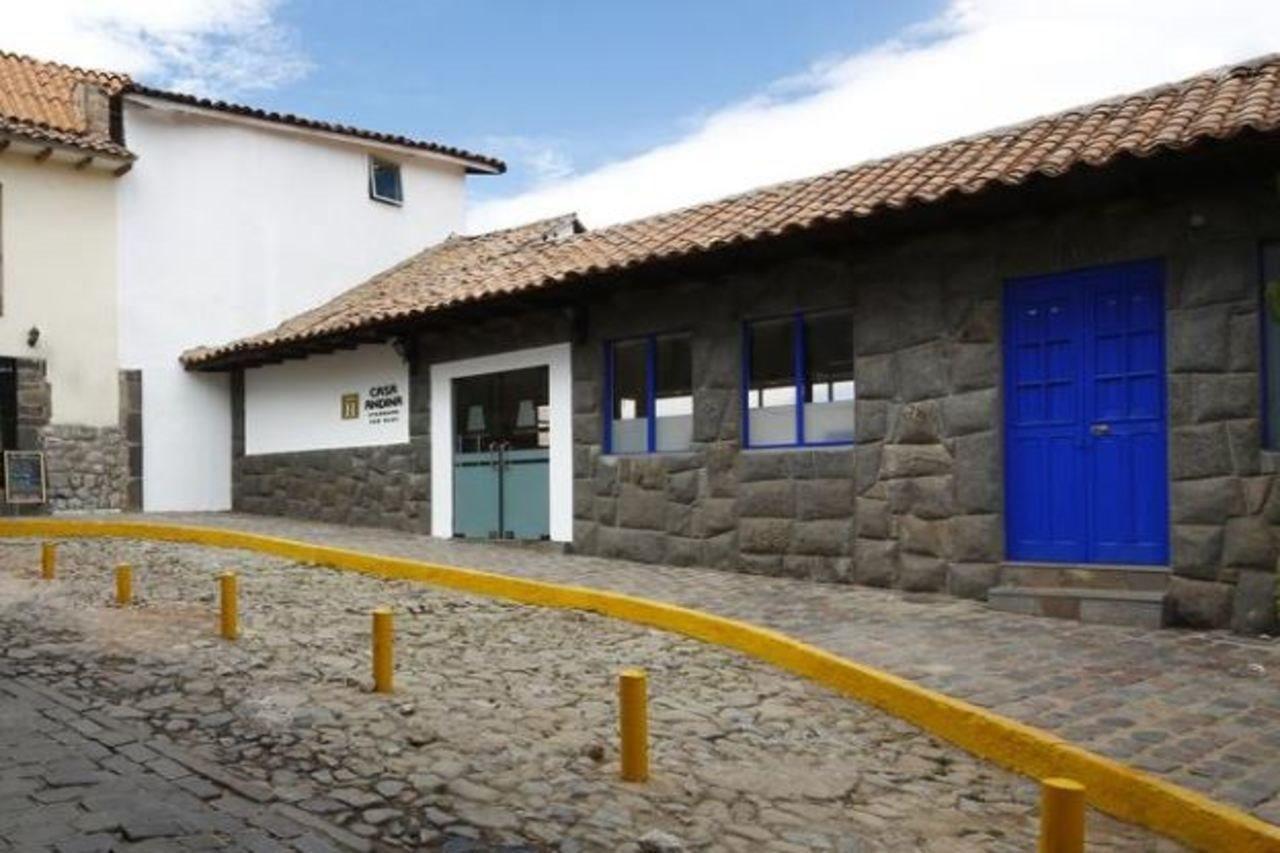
[1215,105]
[42,101]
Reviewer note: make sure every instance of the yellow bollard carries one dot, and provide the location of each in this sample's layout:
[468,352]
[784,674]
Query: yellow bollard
[48,560]
[383,662]
[1061,816]
[230,609]
[633,714]
[124,585]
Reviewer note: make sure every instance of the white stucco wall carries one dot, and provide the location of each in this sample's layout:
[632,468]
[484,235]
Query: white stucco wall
[297,405]
[227,229]
[58,240]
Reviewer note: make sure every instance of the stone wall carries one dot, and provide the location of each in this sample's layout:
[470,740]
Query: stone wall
[87,468]
[131,426]
[370,486]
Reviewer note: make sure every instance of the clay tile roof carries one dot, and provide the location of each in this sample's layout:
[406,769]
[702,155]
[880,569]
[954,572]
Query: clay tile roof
[1213,106]
[42,101]
[476,163]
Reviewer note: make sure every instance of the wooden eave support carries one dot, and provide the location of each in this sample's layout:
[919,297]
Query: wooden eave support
[44,154]
[83,162]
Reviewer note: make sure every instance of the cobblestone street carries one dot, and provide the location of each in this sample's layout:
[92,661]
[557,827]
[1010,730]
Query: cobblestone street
[1200,708]
[501,731]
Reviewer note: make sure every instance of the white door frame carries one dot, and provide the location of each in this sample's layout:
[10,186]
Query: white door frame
[556,358]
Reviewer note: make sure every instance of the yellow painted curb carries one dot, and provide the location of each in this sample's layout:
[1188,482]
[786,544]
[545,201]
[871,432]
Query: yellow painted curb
[1121,791]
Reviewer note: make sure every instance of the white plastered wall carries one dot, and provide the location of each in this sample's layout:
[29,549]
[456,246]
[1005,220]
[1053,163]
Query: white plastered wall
[227,229]
[557,359]
[298,405]
[58,243]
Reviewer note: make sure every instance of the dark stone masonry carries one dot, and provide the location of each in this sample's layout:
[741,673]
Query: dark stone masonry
[917,502]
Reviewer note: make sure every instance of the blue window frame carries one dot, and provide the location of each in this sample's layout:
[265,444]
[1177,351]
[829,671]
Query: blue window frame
[1269,264]
[648,394]
[797,380]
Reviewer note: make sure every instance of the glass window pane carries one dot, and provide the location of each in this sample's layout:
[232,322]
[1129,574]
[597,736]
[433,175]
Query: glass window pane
[1271,339]
[828,409]
[771,387]
[386,180]
[628,424]
[673,393]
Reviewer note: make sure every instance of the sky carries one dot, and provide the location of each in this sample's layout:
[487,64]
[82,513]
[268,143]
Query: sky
[626,108]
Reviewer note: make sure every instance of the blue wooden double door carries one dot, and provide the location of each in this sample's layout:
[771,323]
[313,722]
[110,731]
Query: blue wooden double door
[501,455]
[1085,428]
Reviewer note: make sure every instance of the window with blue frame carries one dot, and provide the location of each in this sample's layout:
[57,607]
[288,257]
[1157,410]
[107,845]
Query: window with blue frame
[649,394]
[798,380]
[1271,342]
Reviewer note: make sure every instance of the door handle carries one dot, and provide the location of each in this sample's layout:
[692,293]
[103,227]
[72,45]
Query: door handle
[1100,429]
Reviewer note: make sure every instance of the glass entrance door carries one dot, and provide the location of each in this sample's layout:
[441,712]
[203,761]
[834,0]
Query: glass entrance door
[501,455]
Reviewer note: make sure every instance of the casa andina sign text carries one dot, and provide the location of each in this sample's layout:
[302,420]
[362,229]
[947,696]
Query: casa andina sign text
[382,404]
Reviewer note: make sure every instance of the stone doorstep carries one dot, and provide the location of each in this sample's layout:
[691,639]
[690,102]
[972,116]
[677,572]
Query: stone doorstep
[1131,608]
[1092,576]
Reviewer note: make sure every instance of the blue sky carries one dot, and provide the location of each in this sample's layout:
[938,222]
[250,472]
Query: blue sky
[622,108]
[576,83]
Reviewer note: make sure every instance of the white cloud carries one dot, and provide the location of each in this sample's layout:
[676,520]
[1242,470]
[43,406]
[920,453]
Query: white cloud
[204,46]
[543,160]
[979,64]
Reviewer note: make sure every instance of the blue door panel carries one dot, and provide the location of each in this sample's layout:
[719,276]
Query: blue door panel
[1085,466]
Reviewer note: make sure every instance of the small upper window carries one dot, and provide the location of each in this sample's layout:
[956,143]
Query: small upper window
[384,181]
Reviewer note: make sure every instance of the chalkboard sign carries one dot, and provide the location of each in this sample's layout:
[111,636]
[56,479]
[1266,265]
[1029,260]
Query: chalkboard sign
[24,477]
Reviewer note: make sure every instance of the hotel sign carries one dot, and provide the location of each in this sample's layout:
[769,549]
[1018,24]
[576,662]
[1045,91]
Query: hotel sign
[383,404]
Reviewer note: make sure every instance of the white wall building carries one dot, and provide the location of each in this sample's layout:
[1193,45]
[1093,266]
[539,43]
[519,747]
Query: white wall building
[232,220]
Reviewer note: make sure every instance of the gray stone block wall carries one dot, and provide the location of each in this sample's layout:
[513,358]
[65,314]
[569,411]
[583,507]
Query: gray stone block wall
[385,486]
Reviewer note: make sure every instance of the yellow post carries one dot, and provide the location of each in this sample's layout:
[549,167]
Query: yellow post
[48,560]
[230,610]
[1061,816]
[124,585]
[633,713]
[382,651]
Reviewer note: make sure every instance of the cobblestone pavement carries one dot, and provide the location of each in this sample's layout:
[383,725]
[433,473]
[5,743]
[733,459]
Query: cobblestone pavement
[1200,708]
[502,727]
[77,784]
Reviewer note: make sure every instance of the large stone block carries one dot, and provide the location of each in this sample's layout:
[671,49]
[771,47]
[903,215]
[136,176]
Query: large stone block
[827,537]
[682,486]
[1200,451]
[824,498]
[915,460]
[715,415]
[1245,439]
[917,423]
[871,420]
[756,465]
[1244,355]
[1253,609]
[1197,549]
[875,376]
[1209,501]
[1199,603]
[977,473]
[1224,397]
[875,562]
[923,371]
[764,535]
[977,539]
[1216,272]
[1249,541]
[975,366]
[767,499]
[976,411]
[920,536]
[930,497]
[641,509]
[972,580]
[868,461]
[873,518]
[922,574]
[644,546]
[1200,339]
[714,516]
